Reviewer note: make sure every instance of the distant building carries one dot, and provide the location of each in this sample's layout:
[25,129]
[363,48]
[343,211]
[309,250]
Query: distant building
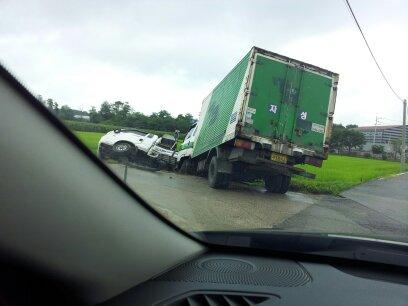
[82,117]
[381,135]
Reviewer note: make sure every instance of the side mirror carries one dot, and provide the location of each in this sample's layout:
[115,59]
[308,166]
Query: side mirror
[176,137]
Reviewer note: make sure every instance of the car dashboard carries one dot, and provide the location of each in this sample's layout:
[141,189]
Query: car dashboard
[222,279]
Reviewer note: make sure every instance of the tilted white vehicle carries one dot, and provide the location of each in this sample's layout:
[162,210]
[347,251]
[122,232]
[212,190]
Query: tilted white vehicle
[124,141]
[138,146]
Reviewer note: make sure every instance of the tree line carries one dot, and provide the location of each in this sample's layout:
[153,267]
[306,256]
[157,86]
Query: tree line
[122,114]
[346,138]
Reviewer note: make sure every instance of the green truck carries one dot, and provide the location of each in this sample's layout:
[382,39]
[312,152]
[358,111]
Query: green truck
[270,113]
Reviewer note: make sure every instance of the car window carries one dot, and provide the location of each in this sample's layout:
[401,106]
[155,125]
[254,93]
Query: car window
[295,128]
[194,130]
[189,134]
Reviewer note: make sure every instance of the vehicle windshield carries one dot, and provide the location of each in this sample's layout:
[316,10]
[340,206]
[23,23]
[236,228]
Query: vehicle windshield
[167,141]
[271,116]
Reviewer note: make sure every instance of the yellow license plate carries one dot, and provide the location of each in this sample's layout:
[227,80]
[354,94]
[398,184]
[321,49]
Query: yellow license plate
[279,158]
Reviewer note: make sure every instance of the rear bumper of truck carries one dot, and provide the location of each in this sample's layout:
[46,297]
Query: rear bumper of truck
[301,155]
[284,148]
[263,165]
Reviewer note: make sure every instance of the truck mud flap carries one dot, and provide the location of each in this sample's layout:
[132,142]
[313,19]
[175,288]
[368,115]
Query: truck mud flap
[306,174]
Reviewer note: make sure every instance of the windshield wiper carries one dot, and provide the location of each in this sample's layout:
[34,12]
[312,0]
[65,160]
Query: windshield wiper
[332,245]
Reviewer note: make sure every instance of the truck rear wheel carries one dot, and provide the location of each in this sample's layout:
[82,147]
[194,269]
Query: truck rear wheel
[273,183]
[187,166]
[285,184]
[277,183]
[217,179]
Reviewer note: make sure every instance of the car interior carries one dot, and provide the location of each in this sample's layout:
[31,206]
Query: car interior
[73,233]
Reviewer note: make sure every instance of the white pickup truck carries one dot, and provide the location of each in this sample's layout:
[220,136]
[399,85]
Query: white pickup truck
[137,146]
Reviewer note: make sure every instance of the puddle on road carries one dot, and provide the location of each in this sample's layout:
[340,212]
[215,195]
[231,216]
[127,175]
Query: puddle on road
[300,197]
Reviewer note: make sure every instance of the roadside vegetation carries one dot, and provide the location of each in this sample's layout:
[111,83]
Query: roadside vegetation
[109,116]
[90,139]
[338,173]
[346,138]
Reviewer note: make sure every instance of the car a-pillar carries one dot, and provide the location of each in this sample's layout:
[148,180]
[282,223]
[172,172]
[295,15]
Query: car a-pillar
[219,168]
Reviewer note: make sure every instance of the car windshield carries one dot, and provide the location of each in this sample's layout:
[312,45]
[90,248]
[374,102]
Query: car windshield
[167,141]
[272,116]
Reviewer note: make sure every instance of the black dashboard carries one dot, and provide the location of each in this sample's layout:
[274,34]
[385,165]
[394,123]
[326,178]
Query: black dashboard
[222,279]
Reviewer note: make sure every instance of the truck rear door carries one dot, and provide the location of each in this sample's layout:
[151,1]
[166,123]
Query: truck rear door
[288,103]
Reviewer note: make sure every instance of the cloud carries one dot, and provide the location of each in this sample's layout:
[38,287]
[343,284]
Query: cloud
[161,54]
[362,92]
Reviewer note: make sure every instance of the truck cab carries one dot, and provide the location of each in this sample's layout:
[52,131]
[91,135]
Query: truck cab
[187,146]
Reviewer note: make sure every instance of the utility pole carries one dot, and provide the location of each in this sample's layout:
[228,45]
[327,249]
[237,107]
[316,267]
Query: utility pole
[375,128]
[404,127]
[377,121]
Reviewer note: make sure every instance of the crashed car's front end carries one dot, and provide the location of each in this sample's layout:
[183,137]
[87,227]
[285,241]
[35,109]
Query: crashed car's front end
[163,151]
[162,155]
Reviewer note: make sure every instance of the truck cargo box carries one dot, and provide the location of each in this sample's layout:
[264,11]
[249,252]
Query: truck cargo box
[282,103]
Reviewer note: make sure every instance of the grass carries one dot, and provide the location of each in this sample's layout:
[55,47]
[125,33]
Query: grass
[338,173]
[90,139]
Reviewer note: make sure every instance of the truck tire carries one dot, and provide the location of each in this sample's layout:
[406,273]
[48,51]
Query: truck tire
[187,166]
[273,183]
[217,179]
[285,184]
[277,183]
[183,167]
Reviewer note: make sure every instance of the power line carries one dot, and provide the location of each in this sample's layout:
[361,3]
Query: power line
[391,120]
[369,49]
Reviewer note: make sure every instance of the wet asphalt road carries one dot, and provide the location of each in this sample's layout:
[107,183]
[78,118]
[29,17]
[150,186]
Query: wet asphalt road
[375,208]
[388,196]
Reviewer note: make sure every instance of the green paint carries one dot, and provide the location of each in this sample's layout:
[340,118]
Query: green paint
[314,98]
[219,110]
[286,103]
[288,100]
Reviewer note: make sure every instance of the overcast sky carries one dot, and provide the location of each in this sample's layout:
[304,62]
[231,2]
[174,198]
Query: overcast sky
[170,54]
